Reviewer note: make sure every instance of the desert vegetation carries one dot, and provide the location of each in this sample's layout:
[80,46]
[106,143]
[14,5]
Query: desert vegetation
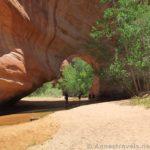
[75,81]
[76,78]
[47,90]
[126,24]
[142,100]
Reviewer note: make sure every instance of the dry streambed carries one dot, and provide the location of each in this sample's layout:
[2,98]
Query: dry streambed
[21,136]
[81,128]
[90,126]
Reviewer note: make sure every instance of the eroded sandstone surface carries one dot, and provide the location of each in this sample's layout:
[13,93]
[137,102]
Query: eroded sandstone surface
[36,36]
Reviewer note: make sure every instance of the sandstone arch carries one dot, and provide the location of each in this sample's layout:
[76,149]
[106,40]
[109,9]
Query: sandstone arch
[35,36]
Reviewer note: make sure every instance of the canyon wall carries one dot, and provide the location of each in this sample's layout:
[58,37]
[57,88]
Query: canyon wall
[36,36]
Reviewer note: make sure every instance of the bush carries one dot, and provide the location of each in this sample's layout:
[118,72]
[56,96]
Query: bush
[47,90]
[76,78]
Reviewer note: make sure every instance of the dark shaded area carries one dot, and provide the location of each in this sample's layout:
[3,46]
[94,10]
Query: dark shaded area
[114,96]
[25,106]
[28,106]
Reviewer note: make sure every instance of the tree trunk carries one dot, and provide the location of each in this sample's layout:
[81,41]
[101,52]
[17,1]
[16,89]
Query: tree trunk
[134,81]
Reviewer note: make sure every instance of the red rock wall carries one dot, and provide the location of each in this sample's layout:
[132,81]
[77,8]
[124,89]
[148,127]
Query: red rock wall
[36,36]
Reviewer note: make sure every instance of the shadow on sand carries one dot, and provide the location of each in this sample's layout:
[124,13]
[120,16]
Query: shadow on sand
[28,106]
[52,105]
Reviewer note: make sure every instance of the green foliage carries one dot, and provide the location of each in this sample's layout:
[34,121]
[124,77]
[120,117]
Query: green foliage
[143,101]
[129,22]
[76,78]
[117,70]
[47,90]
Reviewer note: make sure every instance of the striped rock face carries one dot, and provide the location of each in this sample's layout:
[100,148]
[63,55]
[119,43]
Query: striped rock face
[36,36]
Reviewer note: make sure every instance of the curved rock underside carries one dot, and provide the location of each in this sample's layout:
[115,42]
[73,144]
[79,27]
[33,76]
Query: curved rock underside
[36,36]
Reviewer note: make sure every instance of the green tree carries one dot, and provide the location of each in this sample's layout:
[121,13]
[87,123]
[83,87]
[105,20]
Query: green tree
[76,78]
[128,21]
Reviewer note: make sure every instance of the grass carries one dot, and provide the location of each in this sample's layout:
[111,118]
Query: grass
[34,142]
[142,101]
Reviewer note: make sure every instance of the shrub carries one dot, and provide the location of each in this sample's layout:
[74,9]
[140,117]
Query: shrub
[47,90]
[76,78]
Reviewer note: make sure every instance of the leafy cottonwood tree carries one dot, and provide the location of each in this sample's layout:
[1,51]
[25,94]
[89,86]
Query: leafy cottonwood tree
[128,21]
[76,78]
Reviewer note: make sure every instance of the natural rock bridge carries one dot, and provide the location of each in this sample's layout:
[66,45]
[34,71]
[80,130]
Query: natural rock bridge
[36,36]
